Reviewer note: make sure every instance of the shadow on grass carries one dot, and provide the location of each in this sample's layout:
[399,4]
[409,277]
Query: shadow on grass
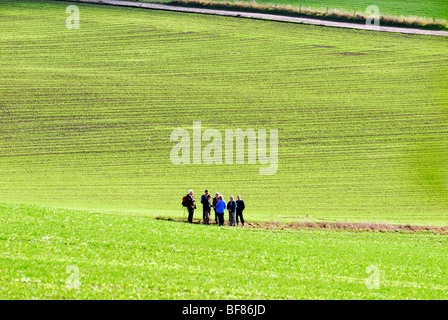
[348,226]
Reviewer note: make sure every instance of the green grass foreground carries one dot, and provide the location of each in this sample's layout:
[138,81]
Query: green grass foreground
[131,257]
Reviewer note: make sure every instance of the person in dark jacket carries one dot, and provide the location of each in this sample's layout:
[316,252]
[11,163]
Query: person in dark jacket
[207,208]
[191,205]
[240,206]
[231,207]
[215,201]
[220,208]
[204,202]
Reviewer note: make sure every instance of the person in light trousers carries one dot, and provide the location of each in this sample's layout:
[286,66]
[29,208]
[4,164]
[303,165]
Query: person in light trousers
[231,207]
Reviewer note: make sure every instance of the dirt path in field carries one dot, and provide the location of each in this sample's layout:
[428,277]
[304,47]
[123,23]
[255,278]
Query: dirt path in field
[262,16]
[323,225]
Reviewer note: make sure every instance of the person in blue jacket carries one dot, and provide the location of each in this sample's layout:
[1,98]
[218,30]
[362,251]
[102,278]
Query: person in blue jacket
[220,209]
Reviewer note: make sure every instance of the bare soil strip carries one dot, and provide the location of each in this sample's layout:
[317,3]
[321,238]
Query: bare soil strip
[262,16]
[354,226]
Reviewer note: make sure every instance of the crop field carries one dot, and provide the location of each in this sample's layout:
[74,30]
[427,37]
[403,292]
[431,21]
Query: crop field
[128,257]
[86,164]
[86,115]
[420,8]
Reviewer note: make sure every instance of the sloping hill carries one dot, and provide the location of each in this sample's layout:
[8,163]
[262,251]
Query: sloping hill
[86,115]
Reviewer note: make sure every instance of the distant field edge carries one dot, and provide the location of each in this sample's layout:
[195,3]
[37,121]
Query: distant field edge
[324,225]
[332,18]
[331,14]
[249,224]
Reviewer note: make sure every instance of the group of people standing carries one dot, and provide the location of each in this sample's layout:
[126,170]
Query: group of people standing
[235,208]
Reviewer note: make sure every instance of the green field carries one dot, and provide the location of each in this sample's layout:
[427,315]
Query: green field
[419,8]
[87,114]
[85,123]
[123,257]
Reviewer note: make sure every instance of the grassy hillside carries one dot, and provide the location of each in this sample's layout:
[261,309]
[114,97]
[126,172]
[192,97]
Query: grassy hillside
[43,252]
[86,115]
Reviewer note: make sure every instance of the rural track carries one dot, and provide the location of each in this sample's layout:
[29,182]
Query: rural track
[262,16]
